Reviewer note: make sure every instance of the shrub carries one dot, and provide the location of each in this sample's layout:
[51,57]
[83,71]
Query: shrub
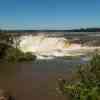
[87,87]
[15,55]
[3,48]
[27,57]
[8,53]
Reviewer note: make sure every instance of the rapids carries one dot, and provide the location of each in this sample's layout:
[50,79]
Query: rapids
[46,47]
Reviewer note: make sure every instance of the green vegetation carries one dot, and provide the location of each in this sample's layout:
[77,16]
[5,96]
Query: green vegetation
[9,53]
[92,29]
[87,86]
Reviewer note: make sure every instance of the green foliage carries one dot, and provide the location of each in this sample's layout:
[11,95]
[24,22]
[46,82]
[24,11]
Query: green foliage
[87,87]
[27,57]
[6,38]
[15,55]
[8,53]
[3,48]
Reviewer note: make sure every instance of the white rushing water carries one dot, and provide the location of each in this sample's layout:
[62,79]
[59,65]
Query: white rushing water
[45,47]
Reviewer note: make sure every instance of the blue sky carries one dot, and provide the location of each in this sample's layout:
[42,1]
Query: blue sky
[49,14]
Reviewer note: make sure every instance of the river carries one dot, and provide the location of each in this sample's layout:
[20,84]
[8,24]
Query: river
[36,80]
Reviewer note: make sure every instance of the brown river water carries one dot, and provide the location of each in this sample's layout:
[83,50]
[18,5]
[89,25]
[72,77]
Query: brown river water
[35,80]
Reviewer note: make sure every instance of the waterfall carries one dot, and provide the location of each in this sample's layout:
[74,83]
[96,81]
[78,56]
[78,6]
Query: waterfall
[46,47]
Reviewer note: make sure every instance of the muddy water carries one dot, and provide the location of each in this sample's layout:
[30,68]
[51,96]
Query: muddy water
[35,80]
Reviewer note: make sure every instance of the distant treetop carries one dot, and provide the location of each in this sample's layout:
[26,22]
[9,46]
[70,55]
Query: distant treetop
[46,30]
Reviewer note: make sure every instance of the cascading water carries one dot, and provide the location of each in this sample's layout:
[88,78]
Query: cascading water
[43,46]
[46,47]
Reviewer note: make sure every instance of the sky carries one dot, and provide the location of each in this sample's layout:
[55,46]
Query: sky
[49,14]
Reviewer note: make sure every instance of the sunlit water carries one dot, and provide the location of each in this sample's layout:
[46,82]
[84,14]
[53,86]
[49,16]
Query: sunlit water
[45,47]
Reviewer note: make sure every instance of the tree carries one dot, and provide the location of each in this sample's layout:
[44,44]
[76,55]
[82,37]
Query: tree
[9,49]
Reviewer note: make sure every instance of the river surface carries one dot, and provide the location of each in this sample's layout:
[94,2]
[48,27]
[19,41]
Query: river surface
[36,80]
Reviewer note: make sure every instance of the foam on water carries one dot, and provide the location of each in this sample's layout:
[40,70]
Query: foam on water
[45,47]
